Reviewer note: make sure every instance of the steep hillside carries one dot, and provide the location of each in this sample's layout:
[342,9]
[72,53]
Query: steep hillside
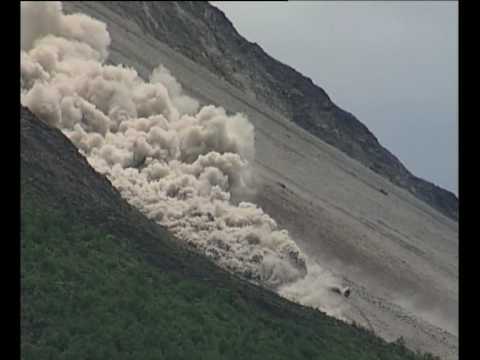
[346,224]
[99,280]
[204,34]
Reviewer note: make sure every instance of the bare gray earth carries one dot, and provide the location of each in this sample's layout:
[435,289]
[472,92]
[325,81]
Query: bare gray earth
[399,255]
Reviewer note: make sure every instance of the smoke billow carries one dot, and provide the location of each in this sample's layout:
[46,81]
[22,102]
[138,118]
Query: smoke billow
[178,163]
[315,289]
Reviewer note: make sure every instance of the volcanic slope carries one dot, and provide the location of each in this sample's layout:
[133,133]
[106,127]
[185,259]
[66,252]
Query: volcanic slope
[100,280]
[204,34]
[399,254]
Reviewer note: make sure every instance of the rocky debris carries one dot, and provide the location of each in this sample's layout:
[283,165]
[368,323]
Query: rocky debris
[384,192]
[346,291]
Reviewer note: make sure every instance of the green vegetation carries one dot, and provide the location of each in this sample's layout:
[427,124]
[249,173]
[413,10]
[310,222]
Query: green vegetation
[89,295]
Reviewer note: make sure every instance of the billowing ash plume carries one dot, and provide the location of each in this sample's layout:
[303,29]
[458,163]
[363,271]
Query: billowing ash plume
[178,163]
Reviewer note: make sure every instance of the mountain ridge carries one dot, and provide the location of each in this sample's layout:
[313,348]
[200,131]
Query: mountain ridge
[204,34]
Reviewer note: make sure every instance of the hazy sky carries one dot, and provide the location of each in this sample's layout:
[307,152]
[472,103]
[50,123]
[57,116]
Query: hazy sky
[394,65]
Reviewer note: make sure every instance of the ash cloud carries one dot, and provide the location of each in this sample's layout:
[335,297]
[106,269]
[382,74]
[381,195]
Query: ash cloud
[177,162]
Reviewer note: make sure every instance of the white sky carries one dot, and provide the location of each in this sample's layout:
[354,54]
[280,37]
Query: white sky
[394,65]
